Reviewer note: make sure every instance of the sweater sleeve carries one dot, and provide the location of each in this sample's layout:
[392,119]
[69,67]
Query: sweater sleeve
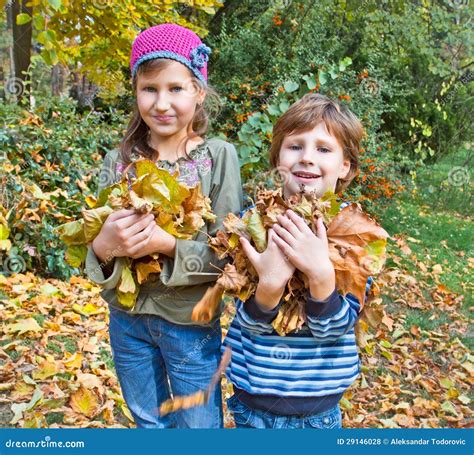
[194,261]
[332,318]
[253,319]
[94,269]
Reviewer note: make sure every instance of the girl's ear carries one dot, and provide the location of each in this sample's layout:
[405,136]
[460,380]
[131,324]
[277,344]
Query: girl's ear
[201,97]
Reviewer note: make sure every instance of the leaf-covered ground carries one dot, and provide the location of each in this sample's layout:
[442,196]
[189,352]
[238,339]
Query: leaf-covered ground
[417,362]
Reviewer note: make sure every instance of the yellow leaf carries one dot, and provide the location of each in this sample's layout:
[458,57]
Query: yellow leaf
[91,201]
[85,401]
[88,309]
[73,361]
[23,326]
[46,370]
[446,383]
[93,221]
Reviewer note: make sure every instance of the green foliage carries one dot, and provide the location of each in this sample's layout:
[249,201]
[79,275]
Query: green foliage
[415,58]
[49,160]
[95,37]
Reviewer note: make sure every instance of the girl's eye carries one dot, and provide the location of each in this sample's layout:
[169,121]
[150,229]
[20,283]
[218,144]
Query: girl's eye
[149,89]
[324,150]
[176,89]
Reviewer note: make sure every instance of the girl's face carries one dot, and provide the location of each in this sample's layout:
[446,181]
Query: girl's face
[167,100]
[314,159]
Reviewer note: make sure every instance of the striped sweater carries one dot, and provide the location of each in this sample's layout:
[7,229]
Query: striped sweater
[302,373]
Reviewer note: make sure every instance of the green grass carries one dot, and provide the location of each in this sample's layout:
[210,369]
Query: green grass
[106,357]
[70,344]
[438,215]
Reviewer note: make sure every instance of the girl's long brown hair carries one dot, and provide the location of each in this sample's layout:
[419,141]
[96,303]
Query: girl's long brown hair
[135,141]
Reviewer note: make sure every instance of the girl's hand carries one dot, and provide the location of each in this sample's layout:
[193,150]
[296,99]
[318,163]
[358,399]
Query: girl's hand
[273,268]
[308,252]
[159,241]
[124,233]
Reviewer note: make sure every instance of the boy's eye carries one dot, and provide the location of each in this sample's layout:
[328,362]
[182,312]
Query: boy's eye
[295,147]
[149,89]
[324,150]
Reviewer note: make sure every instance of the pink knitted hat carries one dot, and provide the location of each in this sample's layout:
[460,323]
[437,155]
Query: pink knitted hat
[174,42]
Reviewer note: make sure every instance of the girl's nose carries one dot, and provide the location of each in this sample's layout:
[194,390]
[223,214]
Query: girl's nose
[162,103]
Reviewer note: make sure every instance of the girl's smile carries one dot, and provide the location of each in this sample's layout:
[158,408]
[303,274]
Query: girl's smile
[163,118]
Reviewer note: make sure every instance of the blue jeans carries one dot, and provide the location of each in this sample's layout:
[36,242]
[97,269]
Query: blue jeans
[245,417]
[156,359]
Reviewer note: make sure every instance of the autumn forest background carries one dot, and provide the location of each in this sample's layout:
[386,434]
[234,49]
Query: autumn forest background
[404,67]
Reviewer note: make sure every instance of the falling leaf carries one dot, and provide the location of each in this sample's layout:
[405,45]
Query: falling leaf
[201,397]
[206,308]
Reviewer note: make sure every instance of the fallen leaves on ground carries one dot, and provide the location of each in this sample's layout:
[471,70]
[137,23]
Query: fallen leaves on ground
[55,356]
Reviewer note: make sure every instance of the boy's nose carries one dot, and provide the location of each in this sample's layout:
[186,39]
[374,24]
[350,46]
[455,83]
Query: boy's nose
[307,156]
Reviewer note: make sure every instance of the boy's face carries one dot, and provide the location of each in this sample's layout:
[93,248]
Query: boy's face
[312,161]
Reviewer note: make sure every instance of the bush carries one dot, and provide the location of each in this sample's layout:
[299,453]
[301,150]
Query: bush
[50,165]
[415,59]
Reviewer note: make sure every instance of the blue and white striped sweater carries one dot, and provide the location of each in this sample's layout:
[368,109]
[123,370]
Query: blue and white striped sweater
[321,359]
[303,371]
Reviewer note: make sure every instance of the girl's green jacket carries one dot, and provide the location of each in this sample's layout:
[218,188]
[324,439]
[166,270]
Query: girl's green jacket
[185,278]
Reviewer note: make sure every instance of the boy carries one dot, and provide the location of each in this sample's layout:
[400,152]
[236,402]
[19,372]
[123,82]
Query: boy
[297,381]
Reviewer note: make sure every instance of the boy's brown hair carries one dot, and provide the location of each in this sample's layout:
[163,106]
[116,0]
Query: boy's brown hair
[305,114]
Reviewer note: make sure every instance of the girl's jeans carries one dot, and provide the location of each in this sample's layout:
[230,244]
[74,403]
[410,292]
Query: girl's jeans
[245,417]
[154,358]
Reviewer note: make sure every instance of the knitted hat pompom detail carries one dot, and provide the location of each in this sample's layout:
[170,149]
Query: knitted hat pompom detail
[173,42]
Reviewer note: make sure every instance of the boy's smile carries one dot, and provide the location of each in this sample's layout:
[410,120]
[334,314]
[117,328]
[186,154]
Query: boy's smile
[312,161]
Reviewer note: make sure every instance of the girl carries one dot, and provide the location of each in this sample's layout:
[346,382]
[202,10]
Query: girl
[297,381]
[158,352]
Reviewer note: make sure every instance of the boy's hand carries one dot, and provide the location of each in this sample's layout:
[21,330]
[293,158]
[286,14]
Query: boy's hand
[273,268]
[308,252]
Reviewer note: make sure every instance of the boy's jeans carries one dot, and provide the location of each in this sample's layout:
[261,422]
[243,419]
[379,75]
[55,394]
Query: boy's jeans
[152,355]
[246,417]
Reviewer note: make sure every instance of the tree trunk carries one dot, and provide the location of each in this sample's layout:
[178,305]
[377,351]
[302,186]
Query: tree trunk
[21,48]
[57,80]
